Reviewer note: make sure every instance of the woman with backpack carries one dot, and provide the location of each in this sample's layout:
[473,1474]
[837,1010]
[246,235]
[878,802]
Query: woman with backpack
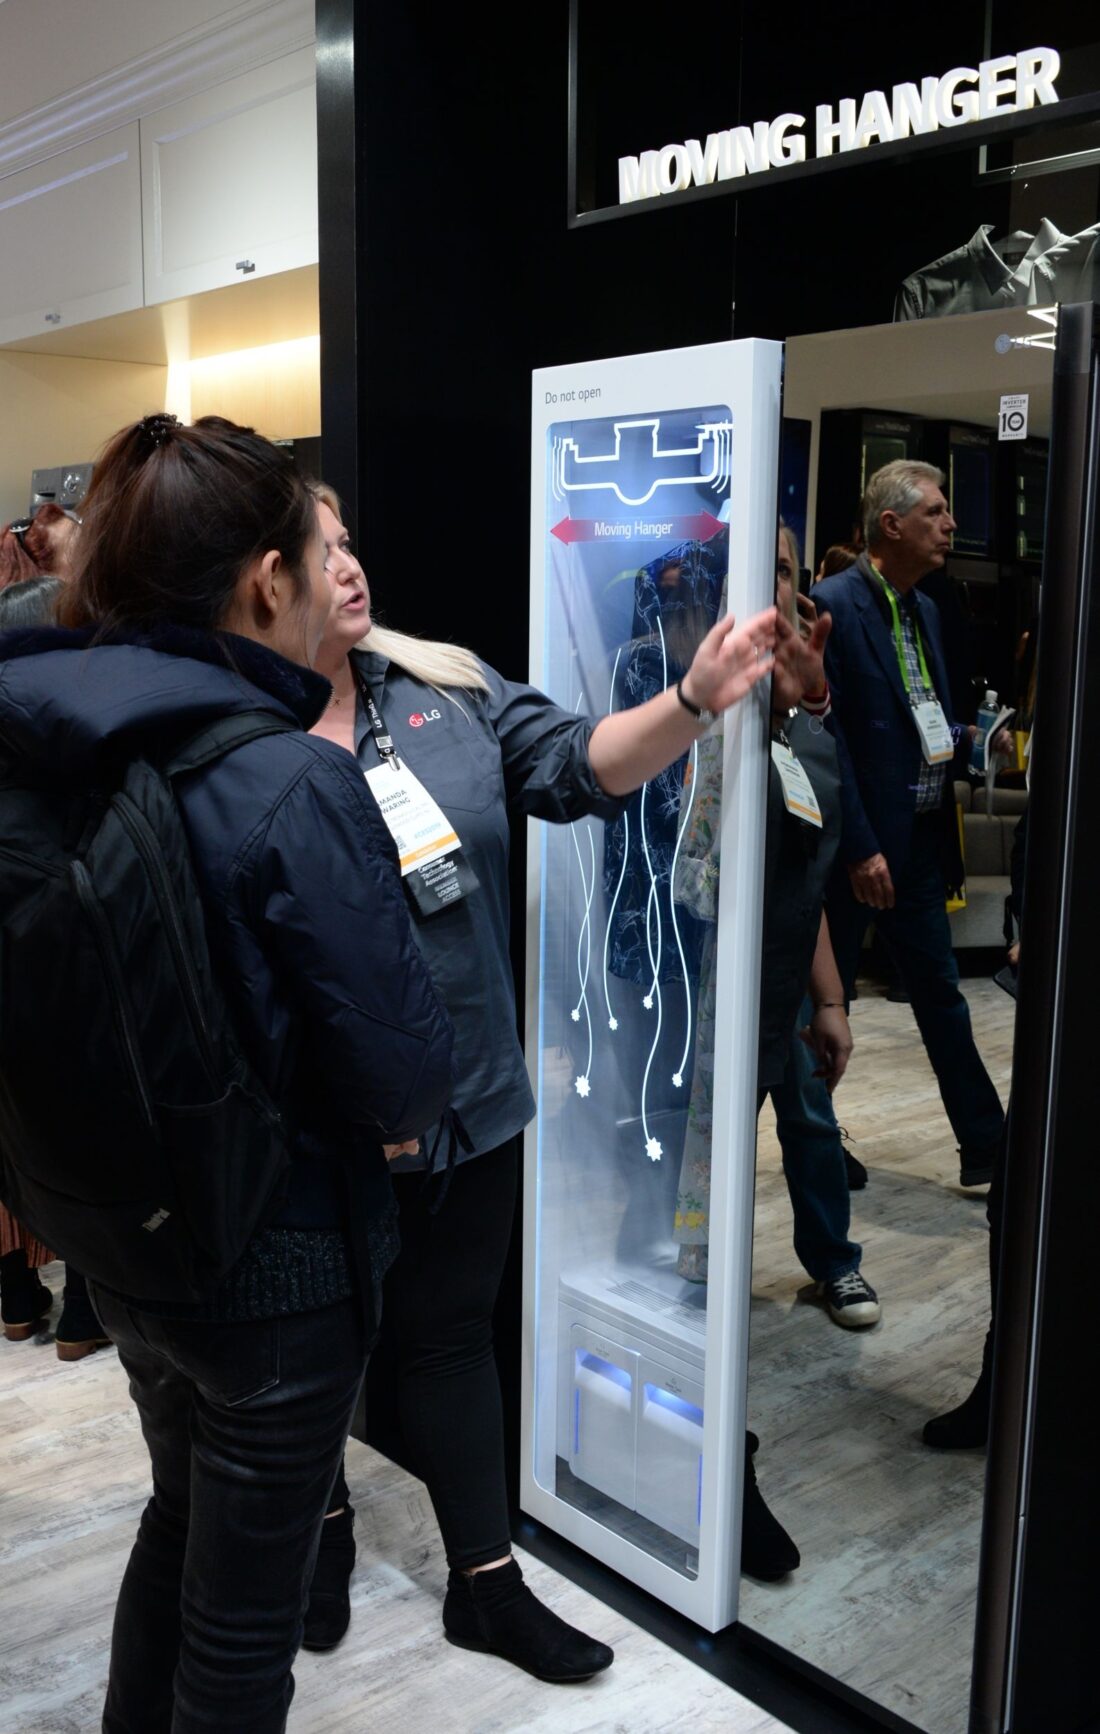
[182,678]
[483,747]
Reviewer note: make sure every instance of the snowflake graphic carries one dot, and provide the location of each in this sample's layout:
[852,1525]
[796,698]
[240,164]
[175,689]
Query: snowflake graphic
[612,1023]
[575,1014]
[648,1002]
[583,1086]
[653,1150]
[678,1079]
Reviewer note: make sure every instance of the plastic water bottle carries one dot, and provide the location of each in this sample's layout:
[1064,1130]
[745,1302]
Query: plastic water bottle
[987,716]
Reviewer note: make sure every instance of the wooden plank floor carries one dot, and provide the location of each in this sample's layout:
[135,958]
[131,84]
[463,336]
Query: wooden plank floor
[888,1529]
[73,1479]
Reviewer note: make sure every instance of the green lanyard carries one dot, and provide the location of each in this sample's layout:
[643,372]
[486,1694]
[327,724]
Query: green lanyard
[899,642]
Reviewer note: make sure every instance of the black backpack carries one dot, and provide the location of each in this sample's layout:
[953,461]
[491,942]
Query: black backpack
[135,1140]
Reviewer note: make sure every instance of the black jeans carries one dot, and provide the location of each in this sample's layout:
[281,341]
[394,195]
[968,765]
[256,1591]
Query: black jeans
[245,1424]
[437,1326]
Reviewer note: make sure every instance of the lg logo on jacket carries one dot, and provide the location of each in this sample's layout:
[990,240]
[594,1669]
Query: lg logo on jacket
[420,717]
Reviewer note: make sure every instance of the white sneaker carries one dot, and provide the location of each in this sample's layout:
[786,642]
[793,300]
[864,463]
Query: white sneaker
[851,1301]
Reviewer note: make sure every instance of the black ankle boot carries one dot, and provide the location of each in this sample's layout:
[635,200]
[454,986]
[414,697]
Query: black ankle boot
[767,1551]
[967,1427]
[24,1298]
[79,1332]
[494,1611]
[328,1615]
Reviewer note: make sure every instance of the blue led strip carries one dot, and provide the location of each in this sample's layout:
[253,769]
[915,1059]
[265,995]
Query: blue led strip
[675,1405]
[606,1369]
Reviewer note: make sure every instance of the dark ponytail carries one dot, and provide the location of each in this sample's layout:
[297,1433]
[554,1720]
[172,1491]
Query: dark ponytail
[174,515]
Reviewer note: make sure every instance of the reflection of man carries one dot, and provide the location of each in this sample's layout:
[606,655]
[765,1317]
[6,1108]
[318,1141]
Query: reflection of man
[898,751]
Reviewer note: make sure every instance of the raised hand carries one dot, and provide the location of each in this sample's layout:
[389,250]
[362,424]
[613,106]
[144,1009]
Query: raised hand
[730,660]
[799,662]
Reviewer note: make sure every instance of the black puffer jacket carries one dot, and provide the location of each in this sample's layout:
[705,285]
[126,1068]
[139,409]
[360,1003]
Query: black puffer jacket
[305,915]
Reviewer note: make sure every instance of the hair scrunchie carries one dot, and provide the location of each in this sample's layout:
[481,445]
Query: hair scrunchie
[159,428]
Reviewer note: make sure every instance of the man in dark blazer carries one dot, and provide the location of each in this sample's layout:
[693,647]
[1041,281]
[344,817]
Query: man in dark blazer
[899,752]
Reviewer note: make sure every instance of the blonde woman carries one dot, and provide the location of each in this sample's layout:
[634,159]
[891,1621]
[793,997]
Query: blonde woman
[482,746]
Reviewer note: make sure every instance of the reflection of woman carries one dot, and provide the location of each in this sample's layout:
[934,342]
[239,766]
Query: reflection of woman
[30,547]
[483,746]
[967,1426]
[799,987]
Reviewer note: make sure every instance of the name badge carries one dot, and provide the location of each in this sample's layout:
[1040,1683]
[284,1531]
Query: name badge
[935,736]
[433,867]
[798,791]
[418,825]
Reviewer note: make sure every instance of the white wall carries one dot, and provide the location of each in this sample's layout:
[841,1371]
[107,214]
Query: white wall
[59,410]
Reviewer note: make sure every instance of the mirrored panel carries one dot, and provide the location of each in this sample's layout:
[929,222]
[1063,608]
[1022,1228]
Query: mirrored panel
[868,1389]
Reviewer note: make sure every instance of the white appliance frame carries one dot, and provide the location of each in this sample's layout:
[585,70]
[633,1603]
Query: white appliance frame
[746,375]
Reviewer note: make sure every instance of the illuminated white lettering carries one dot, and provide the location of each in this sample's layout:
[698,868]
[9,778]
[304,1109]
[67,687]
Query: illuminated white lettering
[1006,84]
[875,119]
[704,161]
[750,148]
[991,86]
[915,110]
[786,143]
[673,169]
[638,177]
[955,107]
[1035,74]
[841,132]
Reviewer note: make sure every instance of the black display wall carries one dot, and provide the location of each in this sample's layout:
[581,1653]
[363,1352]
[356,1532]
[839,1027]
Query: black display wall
[449,272]
[466,275]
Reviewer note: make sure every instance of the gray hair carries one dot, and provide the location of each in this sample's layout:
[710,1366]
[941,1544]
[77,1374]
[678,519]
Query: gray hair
[897,487]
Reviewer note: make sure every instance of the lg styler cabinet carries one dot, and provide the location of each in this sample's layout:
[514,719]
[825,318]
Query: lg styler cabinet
[653,514]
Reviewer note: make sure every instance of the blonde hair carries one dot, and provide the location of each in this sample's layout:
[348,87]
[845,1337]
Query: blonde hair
[795,554]
[436,663]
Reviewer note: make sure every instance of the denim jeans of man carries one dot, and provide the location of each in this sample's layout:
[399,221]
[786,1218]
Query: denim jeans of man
[813,1164]
[918,933]
[245,1425]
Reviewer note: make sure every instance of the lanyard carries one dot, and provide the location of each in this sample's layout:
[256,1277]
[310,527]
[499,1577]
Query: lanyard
[899,643]
[434,868]
[383,740]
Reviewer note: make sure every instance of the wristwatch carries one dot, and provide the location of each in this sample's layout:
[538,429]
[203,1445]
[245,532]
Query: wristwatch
[703,717]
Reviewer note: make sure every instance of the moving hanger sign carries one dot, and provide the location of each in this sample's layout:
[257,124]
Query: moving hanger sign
[1010,84]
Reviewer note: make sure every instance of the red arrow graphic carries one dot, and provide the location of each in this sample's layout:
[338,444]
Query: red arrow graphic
[699,527]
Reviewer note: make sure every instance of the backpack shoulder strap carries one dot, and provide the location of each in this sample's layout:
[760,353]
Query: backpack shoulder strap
[220,737]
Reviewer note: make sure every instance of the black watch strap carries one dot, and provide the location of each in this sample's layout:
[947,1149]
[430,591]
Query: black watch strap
[685,701]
